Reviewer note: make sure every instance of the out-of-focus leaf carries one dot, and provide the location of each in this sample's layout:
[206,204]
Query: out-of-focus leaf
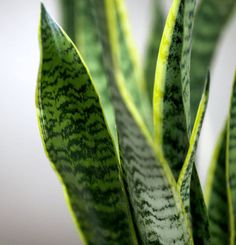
[157,207]
[188,182]
[210,20]
[216,195]
[77,142]
[68,8]
[171,89]
[154,39]
[231,164]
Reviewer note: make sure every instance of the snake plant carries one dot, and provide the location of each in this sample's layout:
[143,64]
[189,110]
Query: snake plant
[121,137]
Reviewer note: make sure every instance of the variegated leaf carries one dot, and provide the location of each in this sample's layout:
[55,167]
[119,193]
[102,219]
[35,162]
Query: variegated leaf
[154,39]
[231,164]
[77,142]
[171,89]
[216,194]
[157,207]
[210,20]
[188,182]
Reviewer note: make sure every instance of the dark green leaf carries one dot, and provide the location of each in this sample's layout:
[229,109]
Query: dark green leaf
[154,39]
[231,164]
[210,21]
[216,194]
[171,90]
[77,142]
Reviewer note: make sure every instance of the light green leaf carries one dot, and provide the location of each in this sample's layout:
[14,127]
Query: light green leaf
[157,207]
[129,66]
[77,142]
[154,39]
[231,164]
[188,182]
[216,194]
[210,20]
[171,90]
[86,39]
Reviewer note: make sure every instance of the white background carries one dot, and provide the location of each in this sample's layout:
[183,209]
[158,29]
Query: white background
[32,207]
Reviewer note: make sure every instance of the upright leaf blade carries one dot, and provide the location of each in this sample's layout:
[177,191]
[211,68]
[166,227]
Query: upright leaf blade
[188,182]
[86,39]
[210,21]
[157,206]
[171,90]
[231,164]
[158,21]
[216,194]
[77,142]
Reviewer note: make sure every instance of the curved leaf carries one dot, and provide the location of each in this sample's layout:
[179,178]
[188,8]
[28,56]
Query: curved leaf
[77,142]
[171,90]
[231,164]
[210,21]
[216,194]
[154,39]
[157,206]
[188,182]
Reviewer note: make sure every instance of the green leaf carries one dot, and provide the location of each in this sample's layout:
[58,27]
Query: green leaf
[231,164]
[68,8]
[157,207]
[86,39]
[77,142]
[154,39]
[171,89]
[129,66]
[188,182]
[210,21]
[216,194]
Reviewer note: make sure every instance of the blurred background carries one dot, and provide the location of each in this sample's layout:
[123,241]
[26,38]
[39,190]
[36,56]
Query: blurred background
[32,206]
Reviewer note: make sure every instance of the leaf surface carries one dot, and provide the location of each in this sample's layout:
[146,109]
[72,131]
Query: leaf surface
[216,194]
[77,141]
[188,182]
[154,39]
[171,102]
[210,21]
[231,164]
[157,207]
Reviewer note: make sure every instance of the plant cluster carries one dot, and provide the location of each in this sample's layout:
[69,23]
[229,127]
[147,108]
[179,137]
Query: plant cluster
[123,138]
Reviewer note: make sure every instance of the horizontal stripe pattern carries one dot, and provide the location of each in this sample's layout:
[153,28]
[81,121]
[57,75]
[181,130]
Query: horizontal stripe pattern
[156,205]
[77,141]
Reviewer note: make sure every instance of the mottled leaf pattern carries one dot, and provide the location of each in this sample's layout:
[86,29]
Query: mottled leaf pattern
[184,179]
[156,205]
[154,39]
[87,40]
[216,194]
[210,20]
[77,141]
[188,182]
[171,89]
[231,164]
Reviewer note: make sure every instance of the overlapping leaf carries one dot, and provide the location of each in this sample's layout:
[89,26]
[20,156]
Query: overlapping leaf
[216,194]
[210,21]
[188,181]
[156,203]
[77,141]
[158,21]
[231,164]
[171,89]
